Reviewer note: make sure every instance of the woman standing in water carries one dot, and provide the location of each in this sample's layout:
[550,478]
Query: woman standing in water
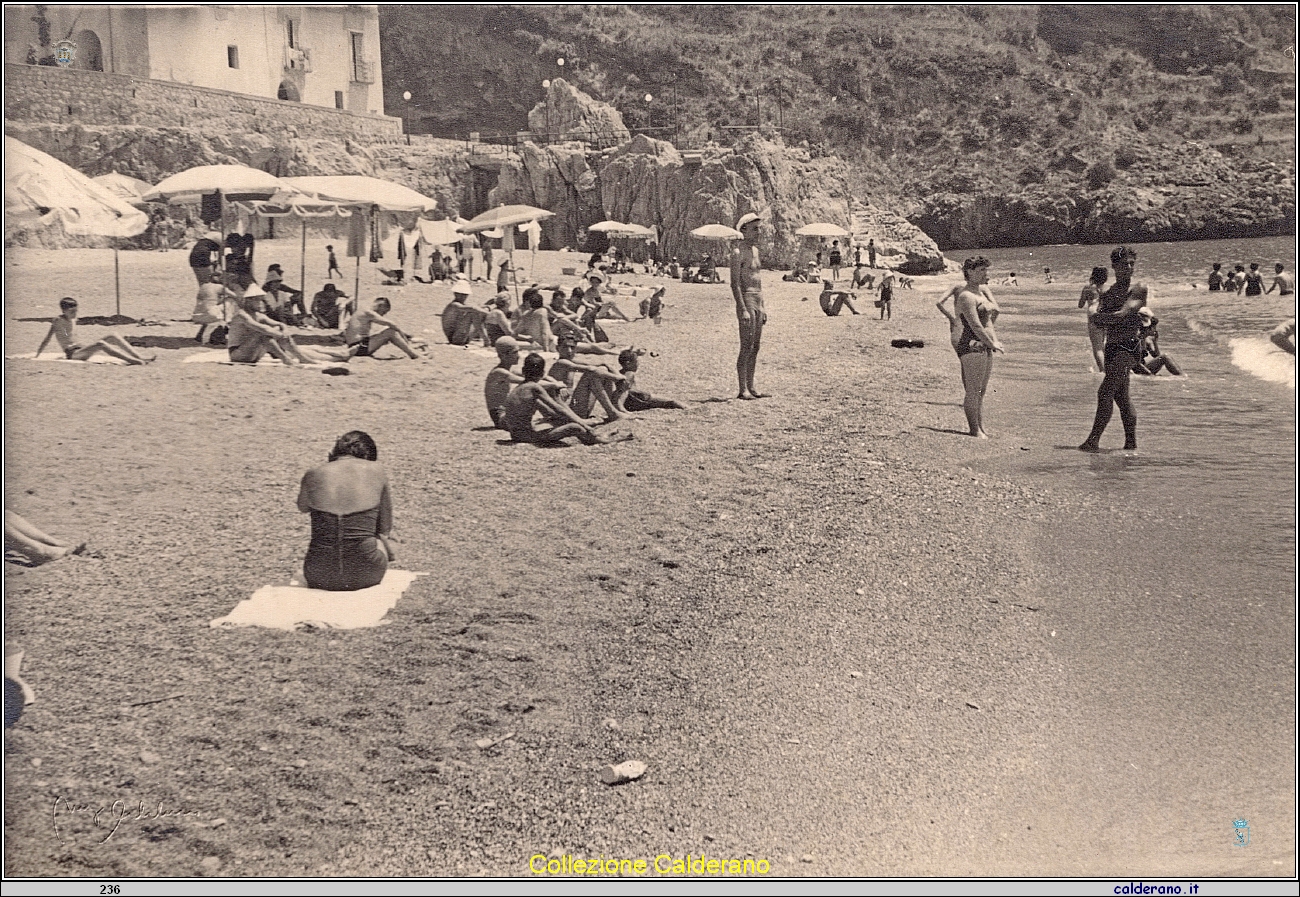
[977,311]
[1088,301]
[1117,313]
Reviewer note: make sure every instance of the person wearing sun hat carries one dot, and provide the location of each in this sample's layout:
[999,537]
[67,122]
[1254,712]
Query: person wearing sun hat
[747,289]
[462,323]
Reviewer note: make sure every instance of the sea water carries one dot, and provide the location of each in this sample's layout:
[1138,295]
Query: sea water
[1217,447]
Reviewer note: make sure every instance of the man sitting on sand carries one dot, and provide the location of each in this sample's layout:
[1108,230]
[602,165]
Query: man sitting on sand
[862,278]
[363,343]
[327,307]
[64,329]
[497,323]
[252,334]
[534,324]
[626,396]
[462,323]
[834,301]
[530,397]
[588,382]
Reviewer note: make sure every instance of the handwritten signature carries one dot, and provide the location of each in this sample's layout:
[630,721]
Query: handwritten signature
[111,816]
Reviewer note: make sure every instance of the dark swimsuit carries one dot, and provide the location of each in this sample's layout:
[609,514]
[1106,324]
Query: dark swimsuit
[968,342]
[1124,335]
[1254,285]
[345,554]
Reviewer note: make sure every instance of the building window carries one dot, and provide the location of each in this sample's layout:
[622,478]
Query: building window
[232,56]
[338,99]
[291,33]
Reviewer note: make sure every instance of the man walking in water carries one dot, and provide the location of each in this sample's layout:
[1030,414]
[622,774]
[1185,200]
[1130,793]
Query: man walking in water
[747,288]
[1117,313]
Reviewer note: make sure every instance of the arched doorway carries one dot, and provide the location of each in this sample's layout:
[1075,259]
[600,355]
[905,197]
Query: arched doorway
[288,92]
[90,55]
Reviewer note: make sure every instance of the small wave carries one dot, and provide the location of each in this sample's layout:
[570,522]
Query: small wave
[1260,358]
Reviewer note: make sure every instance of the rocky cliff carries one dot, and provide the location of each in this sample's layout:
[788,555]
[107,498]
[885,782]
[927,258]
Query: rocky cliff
[1138,194]
[648,182]
[566,113]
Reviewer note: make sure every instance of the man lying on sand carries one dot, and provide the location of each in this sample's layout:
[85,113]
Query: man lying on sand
[64,329]
[530,397]
[361,342]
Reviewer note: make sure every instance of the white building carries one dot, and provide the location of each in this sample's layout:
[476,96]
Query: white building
[318,55]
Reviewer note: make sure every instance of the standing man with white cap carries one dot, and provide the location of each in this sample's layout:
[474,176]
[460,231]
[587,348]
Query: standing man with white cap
[747,288]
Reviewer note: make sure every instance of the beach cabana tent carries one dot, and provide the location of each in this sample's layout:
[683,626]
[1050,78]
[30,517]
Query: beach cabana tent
[42,191]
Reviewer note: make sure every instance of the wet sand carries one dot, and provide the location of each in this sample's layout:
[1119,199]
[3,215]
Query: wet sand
[844,637]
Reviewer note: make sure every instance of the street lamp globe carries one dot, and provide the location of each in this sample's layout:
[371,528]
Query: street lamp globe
[560,62]
[406,95]
[546,85]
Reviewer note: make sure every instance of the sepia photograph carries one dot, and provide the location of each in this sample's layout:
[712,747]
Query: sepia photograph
[650,443]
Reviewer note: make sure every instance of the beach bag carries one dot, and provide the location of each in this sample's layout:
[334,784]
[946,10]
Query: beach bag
[880,303]
[218,336]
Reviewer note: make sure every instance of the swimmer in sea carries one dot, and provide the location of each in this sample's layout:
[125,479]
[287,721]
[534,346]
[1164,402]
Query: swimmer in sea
[1117,312]
[1282,282]
[1088,300]
[747,288]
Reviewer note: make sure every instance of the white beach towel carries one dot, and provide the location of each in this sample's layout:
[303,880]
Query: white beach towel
[295,605]
[97,358]
[221,356]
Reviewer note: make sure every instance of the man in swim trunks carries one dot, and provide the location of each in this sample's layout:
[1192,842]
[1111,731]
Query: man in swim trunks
[590,383]
[362,343]
[1117,312]
[1282,282]
[529,397]
[834,301]
[747,289]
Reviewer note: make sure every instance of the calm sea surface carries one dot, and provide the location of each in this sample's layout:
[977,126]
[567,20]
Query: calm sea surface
[1217,447]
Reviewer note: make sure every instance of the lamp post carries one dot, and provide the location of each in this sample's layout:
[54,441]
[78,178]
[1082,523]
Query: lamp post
[649,112]
[406,107]
[546,86]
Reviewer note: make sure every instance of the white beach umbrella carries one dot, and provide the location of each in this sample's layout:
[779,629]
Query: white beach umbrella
[502,216]
[821,229]
[126,188]
[42,191]
[390,196]
[230,180]
[717,232]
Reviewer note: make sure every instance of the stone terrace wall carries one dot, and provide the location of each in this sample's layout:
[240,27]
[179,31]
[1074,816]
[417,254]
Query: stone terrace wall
[53,95]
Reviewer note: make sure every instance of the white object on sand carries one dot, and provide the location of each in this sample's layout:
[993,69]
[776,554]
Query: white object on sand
[627,771]
[57,355]
[288,607]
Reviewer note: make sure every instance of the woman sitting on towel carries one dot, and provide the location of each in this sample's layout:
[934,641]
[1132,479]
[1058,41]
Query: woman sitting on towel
[351,517]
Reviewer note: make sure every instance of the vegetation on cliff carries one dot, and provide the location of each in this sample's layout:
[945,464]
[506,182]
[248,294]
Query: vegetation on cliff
[934,107]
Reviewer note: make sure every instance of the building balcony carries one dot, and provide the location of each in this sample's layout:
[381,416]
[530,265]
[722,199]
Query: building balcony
[363,72]
[297,59]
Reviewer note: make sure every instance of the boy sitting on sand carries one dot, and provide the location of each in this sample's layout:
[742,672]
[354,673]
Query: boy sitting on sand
[529,397]
[64,329]
[363,343]
[626,396]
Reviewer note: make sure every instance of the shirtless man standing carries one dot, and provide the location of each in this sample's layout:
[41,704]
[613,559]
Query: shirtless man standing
[1284,283]
[747,288]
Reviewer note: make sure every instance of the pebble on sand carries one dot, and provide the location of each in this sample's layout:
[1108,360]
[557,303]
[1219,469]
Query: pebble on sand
[627,771]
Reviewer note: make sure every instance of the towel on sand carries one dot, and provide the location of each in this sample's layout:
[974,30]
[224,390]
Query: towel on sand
[222,356]
[295,605]
[57,355]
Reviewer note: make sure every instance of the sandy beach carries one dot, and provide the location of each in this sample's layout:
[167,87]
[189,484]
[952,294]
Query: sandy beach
[845,638]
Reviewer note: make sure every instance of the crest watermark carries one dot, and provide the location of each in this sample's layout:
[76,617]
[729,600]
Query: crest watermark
[1240,832]
[65,53]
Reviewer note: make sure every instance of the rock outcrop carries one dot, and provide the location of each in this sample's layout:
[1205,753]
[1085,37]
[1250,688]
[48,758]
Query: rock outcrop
[1139,194]
[649,182]
[569,114]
